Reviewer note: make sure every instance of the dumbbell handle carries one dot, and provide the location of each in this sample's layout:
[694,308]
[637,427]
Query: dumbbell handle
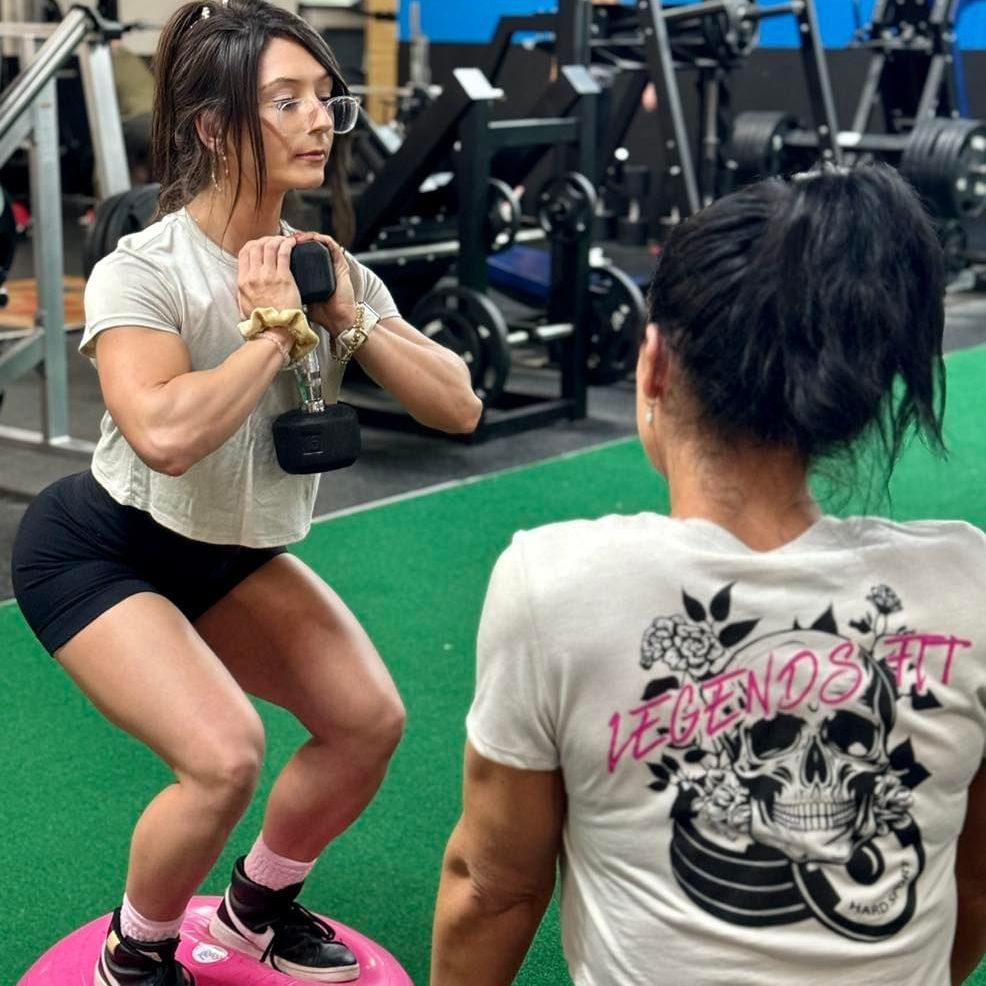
[308,376]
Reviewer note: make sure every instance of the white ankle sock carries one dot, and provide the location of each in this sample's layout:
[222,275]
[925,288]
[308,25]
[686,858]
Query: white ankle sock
[273,871]
[133,924]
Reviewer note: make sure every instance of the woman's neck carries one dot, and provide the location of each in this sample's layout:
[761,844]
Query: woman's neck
[232,228]
[761,496]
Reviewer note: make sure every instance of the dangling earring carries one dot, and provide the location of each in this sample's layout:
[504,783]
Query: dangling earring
[650,412]
[222,157]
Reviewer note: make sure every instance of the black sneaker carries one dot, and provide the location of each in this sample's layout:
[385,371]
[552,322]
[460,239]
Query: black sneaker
[269,925]
[128,962]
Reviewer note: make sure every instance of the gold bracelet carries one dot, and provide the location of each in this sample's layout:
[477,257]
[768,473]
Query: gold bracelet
[357,336]
[281,347]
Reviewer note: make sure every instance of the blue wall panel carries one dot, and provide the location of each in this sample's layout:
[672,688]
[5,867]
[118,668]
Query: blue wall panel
[475,21]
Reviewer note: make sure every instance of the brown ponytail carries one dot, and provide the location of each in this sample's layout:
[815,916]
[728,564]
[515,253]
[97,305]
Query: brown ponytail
[179,164]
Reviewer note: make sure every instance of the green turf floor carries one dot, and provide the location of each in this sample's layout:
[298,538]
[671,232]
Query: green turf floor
[414,572]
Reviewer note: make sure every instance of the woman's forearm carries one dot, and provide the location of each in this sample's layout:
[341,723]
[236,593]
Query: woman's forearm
[193,414]
[430,381]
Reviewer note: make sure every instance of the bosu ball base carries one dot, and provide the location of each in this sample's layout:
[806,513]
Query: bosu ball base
[71,961]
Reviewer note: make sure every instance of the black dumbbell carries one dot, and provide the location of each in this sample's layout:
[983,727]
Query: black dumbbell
[316,437]
[632,228]
[610,195]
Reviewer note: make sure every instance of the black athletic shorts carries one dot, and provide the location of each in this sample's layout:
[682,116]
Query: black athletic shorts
[78,553]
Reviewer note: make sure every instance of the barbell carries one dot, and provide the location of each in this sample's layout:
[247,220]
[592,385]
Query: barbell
[944,158]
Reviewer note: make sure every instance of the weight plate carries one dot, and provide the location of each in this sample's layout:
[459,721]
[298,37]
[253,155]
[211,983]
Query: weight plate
[972,168]
[469,324]
[758,144]
[566,206]
[954,243]
[724,36]
[917,153]
[951,182]
[504,216]
[618,316]
[945,160]
[730,36]
[118,216]
[97,236]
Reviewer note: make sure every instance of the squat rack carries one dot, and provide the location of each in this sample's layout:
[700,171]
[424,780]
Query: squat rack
[29,115]
[916,65]
[460,127]
[662,36]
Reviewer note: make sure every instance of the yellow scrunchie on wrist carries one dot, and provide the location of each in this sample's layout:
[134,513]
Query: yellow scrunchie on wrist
[261,319]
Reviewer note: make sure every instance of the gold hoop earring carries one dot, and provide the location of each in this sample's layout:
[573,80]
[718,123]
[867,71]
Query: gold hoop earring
[222,157]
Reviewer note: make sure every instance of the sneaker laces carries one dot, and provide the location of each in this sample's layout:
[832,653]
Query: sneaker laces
[295,918]
[180,976]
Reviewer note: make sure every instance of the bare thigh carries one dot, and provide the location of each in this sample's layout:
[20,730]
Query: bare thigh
[288,638]
[144,667]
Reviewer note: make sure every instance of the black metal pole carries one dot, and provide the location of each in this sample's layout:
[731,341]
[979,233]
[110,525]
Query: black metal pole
[819,83]
[708,85]
[680,167]
[472,178]
[572,32]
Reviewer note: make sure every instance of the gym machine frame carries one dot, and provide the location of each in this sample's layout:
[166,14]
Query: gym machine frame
[915,71]
[916,65]
[28,114]
[659,32]
[461,123]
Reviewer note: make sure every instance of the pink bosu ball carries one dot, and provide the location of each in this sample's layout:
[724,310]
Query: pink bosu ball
[72,960]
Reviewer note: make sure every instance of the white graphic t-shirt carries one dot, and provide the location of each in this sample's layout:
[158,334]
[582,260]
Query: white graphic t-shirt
[172,278]
[766,755]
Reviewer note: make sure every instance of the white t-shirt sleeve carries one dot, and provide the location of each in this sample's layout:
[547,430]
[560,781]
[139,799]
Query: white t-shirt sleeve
[123,289]
[371,290]
[512,719]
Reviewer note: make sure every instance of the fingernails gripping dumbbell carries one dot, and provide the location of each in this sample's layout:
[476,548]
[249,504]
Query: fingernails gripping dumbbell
[318,436]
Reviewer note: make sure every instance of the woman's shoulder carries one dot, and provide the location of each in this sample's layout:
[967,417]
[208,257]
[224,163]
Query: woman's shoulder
[156,249]
[571,542]
[921,534]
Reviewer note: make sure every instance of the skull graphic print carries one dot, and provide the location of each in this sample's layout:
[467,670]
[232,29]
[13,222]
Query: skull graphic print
[792,791]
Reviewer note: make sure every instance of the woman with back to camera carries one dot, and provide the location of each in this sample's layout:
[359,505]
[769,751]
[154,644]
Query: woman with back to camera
[158,579]
[752,734]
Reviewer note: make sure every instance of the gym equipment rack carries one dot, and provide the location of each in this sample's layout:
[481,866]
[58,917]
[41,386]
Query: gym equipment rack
[28,115]
[651,41]
[459,127]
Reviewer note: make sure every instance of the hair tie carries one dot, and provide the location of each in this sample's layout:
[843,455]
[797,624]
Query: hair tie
[207,13]
[822,169]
